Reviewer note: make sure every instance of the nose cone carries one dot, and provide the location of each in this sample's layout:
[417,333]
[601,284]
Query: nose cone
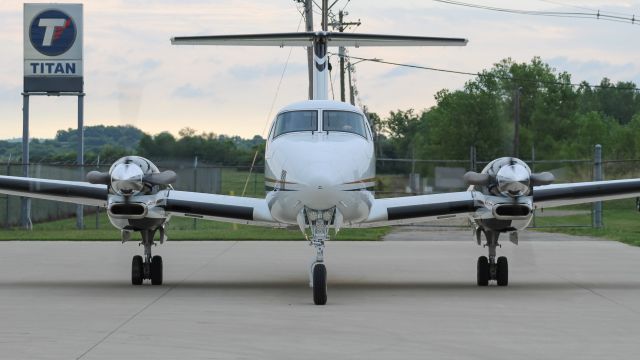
[126,179]
[513,180]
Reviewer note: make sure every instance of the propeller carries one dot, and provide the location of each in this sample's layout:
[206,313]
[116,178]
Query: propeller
[166,177]
[474,178]
[100,178]
[543,178]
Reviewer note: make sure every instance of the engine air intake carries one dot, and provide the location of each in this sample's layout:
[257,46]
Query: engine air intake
[512,211]
[130,210]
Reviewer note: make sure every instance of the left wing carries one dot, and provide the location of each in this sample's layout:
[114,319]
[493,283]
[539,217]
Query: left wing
[584,192]
[412,209]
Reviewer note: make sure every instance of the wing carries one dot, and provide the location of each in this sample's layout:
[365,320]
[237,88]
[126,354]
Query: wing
[412,209]
[58,190]
[585,192]
[306,39]
[243,210]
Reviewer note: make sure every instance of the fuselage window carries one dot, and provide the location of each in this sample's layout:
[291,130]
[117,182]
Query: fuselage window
[344,121]
[294,121]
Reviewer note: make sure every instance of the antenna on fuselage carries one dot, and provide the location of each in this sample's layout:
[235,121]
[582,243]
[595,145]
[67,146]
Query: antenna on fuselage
[319,41]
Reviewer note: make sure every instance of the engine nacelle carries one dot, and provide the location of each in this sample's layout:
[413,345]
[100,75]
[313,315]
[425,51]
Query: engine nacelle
[508,177]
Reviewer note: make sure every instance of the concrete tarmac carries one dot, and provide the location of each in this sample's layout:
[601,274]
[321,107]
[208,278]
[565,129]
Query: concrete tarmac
[387,300]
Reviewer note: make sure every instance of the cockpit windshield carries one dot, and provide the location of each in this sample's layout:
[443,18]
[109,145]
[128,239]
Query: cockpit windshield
[293,121]
[344,121]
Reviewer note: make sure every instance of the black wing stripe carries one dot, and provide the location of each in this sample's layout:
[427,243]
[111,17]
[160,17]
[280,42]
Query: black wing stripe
[429,210]
[208,209]
[586,191]
[44,187]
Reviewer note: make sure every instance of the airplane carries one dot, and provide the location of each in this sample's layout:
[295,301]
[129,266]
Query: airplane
[320,175]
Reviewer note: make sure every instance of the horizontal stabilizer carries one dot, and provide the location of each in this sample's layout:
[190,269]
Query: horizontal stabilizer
[307,39]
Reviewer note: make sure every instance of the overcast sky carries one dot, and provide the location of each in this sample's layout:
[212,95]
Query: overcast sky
[134,76]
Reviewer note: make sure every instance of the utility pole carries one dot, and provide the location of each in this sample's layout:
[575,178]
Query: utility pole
[325,15]
[341,55]
[308,18]
[341,26]
[516,125]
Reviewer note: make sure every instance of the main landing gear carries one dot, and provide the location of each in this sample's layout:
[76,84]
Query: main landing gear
[490,268]
[151,266]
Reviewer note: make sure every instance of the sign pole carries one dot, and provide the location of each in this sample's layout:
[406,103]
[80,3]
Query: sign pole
[80,157]
[25,213]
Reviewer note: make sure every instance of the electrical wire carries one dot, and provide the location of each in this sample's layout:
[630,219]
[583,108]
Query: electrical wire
[273,103]
[459,72]
[578,15]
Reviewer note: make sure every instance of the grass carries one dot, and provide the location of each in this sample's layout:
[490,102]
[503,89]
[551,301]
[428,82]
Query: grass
[621,223]
[177,229]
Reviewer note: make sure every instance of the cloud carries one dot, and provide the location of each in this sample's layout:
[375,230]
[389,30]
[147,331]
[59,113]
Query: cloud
[259,71]
[593,70]
[189,91]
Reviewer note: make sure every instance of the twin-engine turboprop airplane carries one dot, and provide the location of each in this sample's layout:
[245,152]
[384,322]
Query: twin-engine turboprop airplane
[320,174]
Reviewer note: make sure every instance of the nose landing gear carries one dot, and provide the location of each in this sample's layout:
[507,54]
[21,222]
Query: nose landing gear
[319,222]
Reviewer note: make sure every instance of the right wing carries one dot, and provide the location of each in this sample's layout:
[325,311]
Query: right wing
[76,192]
[235,209]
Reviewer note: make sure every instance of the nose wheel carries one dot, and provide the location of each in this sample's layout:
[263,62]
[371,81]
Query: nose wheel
[319,283]
[488,268]
[149,267]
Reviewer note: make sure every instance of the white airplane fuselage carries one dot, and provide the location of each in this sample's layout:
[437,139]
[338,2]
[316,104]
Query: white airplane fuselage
[321,168]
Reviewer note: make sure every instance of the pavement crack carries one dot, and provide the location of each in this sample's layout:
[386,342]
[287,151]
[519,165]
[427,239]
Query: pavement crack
[136,314]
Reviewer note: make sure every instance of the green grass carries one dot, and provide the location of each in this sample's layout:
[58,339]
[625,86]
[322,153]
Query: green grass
[177,229]
[621,223]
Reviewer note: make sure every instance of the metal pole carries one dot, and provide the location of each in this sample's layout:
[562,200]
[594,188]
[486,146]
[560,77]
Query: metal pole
[341,54]
[80,158]
[351,95]
[516,127]
[325,15]
[472,158]
[195,183]
[597,176]
[308,16]
[25,203]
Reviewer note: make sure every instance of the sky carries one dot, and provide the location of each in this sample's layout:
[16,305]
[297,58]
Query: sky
[133,75]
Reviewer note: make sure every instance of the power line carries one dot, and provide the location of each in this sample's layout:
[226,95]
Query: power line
[581,7]
[459,72]
[577,15]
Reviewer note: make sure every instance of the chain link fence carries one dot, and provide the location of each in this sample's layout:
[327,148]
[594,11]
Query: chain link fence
[395,177]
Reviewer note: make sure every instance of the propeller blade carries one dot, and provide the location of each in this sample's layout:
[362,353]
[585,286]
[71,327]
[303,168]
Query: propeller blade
[474,178]
[166,177]
[97,177]
[543,178]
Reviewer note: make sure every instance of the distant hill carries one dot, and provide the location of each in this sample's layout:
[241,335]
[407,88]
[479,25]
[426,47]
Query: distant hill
[108,141]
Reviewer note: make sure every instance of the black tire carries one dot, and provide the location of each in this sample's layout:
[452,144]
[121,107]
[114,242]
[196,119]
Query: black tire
[156,270]
[502,271]
[319,284]
[483,271]
[137,270]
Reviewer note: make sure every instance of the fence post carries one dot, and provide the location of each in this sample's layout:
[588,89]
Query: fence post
[195,184]
[472,158]
[597,176]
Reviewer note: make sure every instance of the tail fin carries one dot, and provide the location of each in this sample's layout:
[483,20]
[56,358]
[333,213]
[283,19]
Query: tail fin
[319,41]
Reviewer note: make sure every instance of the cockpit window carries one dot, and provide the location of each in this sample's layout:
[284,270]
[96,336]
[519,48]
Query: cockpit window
[293,121]
[344,121]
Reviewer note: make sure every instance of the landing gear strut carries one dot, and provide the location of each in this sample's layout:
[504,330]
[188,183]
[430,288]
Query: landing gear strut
[319,223]
[151,266]
[490,268]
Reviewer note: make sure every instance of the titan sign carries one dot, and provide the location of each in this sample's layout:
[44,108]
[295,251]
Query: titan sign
[53,48]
